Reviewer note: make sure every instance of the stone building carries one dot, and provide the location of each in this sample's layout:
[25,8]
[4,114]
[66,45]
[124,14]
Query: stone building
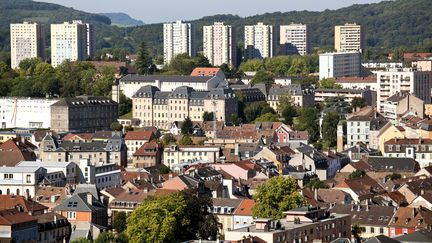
[83,114]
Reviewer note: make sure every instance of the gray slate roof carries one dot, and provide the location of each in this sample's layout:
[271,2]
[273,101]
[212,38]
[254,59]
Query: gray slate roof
[78,202]
[164,78]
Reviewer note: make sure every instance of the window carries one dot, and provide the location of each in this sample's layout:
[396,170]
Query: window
[381,231]
[28,178]
[71,215]
[372,229]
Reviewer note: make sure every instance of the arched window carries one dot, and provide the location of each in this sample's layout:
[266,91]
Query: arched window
[17,192]
[8,191]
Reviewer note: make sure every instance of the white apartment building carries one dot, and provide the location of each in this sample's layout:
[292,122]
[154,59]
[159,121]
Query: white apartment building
[258,41]
[27,41]
[296,39]
[178,38]
[69,169]
[176,155]
[72,41]
[25,112]
[20,180]
[406,80]
[218,44]
[339,64]
[349,38]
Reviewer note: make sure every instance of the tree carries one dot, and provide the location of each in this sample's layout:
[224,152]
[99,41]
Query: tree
[115,126]
[357,174]
[308,121]
[253,110]
[286,109]
[176,217]
[187,127]
[329,128]
[356,232]
[81,240]
[105,237]
[181,64]
[275,196]
[168,138]
[186,140]
[144,63]
[394,176]
[358,102]
[119,222]
[262,77]
[125,105]
[201,61]
[329,83]
[208,116]
[267,117]
[316,184]
[252,65]
[163,169]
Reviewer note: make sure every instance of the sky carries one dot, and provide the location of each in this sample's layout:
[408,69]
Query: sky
[157,11]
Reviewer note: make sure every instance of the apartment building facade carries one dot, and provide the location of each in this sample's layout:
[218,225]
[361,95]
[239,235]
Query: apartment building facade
[219,44]
[73,41]
[258,41]
[295,38]
[178,38]
[339,64]
[394,81]
[349,38]
[27,41]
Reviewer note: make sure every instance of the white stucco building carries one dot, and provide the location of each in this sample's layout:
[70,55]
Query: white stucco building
[20,180]
[218,44]
[178,38]
[258,41]
[27,41]
[296,38]
[25,112]
[339,64]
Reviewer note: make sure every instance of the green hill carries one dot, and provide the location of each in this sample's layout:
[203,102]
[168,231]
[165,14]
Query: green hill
[388,24]
[122,19]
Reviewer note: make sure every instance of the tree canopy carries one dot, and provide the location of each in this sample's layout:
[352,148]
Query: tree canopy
[187,127]
[176,217]
[275,196]
[329,128]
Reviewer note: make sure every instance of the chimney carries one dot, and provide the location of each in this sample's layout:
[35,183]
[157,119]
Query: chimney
[89,198]
[414,212]
[422,191]
[55,218]
[316,194]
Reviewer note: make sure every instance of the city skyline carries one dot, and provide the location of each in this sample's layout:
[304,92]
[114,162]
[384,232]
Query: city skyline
[182,10]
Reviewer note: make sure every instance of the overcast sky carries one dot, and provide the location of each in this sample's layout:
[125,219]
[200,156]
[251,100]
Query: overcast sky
[156,11]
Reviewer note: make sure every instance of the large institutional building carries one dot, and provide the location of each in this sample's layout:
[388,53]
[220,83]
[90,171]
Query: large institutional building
[349,38]
[26,42]
[131,83]
[158,108]
[178,38]
[339,64]
[393,81]
[83,114]
[258,41]
[218,44]
[71,41]
[25,112]
[295,38]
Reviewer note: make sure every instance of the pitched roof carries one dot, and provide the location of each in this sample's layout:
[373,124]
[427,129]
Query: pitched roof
[366,214]
[205,71]
[16,150]
[393,164]
[361,165]
[420,236]
[46,194]
[406,217]
[331,195]
[78,136]
[245,207]
[12,216]
[148,149]
[381,239]
[12,201]
[78,202]
[163,78]
[138,135]
[364,186]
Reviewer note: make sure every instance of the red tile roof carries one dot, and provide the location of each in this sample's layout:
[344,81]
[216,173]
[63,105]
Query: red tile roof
[16,150]
[205,71]
[12,201]
[245,207]
[148,149]
[78,136]
[138,135]
[12,216]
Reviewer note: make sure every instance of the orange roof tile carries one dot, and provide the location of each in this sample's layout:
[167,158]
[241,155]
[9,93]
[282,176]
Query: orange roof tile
[205,71]
[139,135]
[245,207]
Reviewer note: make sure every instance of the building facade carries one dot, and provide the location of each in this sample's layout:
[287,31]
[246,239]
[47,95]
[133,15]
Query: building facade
[27,41]
[25,112]
[339,64]
[295,38]
[72,41]
[83,114]
[393,81]
[349,38]
[178,38]
[21,180]
[175,155]
[219,44]
[156,108]
[258,41]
